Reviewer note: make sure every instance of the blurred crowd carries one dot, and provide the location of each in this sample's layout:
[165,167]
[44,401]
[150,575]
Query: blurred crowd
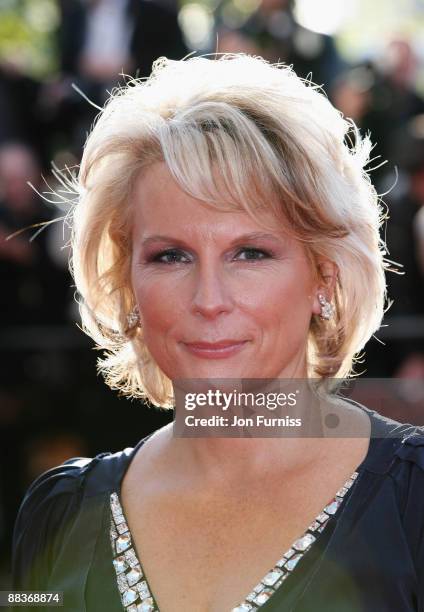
[52,405]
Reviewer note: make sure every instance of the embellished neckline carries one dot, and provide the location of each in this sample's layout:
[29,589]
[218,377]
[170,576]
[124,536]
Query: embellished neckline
[136,594]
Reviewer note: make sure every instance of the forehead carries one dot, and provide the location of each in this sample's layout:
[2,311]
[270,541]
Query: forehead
[160,204]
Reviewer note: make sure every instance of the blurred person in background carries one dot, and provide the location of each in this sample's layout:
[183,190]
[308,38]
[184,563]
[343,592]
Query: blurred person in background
[273,32]
[405,238]
[393,99]
[381,97]
[405,202]
[98,41]
[397,96]
[351,93]
[36,290]
[20,113]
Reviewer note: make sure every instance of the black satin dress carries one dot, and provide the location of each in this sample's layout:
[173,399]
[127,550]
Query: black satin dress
[369,558]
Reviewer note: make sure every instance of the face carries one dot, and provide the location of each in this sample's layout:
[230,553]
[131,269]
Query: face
[219,295]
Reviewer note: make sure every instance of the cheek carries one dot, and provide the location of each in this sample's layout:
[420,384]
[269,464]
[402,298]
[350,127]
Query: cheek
[285,295]
[158,303]
[157,317]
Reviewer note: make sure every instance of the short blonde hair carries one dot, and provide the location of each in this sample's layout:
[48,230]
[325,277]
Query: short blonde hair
[241,131]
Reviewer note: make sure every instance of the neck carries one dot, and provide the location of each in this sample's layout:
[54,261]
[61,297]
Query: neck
[234,460]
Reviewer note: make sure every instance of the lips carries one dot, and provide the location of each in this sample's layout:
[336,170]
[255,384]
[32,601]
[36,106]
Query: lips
[215,350]
[214,345]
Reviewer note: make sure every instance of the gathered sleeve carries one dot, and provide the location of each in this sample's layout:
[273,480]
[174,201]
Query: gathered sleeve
[61,537]
[45,516]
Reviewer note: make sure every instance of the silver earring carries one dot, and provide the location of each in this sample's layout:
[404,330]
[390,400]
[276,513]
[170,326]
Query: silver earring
[327,309]
[133,318]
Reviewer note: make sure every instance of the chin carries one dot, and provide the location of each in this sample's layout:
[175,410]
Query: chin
[221,370]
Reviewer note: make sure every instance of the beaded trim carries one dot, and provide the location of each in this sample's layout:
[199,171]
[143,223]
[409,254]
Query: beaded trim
[132,583]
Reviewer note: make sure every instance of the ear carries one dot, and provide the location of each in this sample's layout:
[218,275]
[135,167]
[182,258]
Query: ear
[325,284]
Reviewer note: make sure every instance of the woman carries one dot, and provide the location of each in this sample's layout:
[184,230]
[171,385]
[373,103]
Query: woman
[225,231]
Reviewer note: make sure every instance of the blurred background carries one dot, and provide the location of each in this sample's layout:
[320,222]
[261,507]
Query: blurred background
[369,59]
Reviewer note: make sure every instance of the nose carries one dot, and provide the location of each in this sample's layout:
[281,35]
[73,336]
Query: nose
[212,294]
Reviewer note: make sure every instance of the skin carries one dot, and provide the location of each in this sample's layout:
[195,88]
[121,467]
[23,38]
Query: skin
[206,281]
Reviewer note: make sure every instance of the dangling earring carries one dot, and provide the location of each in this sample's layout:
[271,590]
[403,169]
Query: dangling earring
[133,318]
[327,309]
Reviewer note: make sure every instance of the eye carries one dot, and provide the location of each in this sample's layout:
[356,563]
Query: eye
[252,254]
[170,256]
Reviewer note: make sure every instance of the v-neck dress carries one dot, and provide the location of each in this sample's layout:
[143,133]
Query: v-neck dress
[363,553]
[137,595]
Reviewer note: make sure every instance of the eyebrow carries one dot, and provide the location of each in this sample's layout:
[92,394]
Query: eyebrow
[251,236]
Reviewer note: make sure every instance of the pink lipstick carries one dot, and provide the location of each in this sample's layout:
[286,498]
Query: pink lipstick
[215,350]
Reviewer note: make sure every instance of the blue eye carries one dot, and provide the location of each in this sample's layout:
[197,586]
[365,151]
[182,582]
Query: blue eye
[253,254]
[178,256]
[170,256]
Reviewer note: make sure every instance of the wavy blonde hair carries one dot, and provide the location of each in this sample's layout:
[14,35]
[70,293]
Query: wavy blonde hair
[241,131]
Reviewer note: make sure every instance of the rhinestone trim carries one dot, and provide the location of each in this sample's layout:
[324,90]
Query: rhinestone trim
[134,589]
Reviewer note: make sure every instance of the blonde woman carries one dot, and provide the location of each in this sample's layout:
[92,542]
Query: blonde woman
[224,230]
